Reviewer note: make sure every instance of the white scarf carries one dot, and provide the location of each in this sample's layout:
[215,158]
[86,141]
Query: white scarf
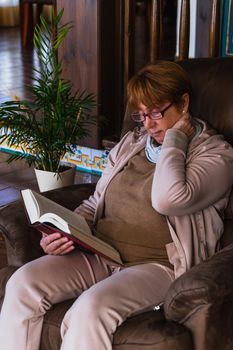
[152,150]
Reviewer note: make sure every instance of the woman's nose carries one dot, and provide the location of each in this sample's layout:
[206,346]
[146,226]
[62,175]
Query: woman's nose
[148,123]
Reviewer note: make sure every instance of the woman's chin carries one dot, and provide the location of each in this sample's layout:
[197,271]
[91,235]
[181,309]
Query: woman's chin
[158,138]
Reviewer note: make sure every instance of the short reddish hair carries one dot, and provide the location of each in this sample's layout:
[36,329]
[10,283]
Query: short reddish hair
[156,84]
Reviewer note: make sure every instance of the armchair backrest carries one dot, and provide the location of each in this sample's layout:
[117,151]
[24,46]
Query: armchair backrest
[212,92]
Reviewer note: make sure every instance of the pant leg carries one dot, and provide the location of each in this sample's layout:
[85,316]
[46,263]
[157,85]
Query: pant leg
[33,289]
[92,320]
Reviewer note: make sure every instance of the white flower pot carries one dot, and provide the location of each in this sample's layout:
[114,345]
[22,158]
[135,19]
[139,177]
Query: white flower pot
[48,180]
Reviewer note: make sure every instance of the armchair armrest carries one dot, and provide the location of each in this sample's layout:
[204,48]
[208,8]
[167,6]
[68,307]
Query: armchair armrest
[202,300]
[22,241]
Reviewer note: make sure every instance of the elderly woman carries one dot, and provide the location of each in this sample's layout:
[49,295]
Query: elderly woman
[159,202]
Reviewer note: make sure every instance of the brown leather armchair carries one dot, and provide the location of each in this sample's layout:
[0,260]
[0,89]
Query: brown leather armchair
[198,308]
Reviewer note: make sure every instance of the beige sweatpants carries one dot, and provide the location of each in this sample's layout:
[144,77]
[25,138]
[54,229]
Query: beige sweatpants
[104,299]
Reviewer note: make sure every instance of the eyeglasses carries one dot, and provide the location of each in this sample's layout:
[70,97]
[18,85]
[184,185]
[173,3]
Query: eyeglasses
[140,116]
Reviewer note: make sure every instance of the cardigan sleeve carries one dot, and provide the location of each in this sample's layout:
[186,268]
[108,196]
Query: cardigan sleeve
[188,181]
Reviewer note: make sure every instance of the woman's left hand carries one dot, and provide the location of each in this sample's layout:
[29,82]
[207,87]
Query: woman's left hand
[56,244]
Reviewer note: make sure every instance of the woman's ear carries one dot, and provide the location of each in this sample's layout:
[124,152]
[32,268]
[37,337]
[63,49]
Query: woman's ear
[185,102]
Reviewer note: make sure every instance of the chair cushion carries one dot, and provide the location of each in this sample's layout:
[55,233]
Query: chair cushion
[148,331]
[151,331]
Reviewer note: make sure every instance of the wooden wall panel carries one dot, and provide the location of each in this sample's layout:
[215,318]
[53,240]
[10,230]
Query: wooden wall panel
[93,57]
[80,50]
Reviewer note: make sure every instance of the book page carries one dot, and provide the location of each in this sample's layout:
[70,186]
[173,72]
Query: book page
[31,206]
[55,220]
[44,206]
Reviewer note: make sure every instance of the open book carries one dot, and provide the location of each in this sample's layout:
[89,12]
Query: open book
[50,217]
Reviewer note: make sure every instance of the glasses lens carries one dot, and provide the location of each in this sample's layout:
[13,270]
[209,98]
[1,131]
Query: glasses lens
[155,115]
[137,117]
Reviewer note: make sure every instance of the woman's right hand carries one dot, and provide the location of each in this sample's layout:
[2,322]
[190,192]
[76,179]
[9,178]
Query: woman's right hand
[185,125]
[56,244]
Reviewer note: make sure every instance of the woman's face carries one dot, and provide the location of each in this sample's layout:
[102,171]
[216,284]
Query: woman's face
[157,128]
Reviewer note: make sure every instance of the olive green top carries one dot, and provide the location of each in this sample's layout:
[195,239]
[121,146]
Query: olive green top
[130,224]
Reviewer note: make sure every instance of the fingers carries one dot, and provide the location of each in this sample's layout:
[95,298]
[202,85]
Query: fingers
[185,125]
[186,116]
[56,244]
[44,234]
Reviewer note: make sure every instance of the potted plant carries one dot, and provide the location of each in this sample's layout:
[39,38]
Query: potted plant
[47,125]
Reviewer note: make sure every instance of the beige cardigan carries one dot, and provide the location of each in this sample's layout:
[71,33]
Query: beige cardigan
[191,187]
